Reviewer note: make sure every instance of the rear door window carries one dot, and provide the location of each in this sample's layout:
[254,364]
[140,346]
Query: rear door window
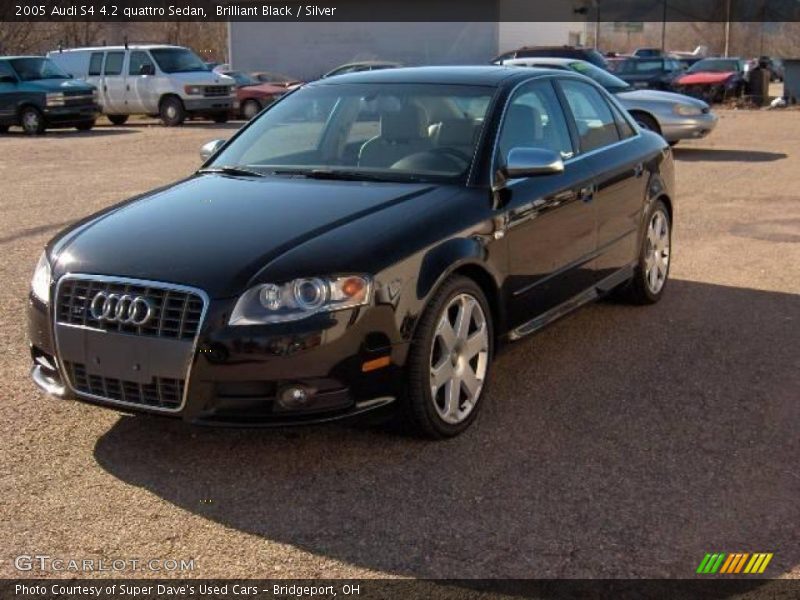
[592,114]
[114,62]
[96,63]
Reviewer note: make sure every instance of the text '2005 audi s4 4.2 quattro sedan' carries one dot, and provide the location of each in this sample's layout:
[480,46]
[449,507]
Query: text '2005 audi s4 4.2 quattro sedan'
[366,241]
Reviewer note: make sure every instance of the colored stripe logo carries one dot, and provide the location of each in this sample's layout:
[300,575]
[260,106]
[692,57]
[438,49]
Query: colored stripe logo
[734,563]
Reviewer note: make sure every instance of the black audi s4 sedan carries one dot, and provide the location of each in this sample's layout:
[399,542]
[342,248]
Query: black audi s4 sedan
[369,240]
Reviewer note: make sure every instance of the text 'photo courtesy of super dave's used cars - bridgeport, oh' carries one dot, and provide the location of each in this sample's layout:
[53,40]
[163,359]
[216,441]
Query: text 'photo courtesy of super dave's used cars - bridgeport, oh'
[366,243]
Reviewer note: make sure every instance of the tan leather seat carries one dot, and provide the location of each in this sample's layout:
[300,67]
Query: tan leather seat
[403,133]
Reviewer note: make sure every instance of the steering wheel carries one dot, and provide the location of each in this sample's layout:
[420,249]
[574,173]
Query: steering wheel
[453,152]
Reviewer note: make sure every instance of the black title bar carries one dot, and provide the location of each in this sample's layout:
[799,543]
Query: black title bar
[401,10]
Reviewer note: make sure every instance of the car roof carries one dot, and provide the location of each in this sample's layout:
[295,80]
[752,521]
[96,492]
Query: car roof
[491,75]
[21,56]
[115,48]
[543,60]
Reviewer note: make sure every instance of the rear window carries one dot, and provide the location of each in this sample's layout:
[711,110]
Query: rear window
[114,63]
[96,63]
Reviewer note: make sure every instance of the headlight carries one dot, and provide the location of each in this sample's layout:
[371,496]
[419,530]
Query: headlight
[55,99]
[687,110]
[194,90]
[40,285]
[298,299]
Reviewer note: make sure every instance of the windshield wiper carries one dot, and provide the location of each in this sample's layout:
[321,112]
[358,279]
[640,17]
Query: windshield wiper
[232,170]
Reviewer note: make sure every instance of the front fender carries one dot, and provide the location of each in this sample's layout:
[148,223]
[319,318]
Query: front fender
[439,262]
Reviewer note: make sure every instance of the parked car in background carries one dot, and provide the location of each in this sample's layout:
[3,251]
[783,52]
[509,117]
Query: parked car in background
[253,95]
[673,116]
[713,79]
[774,65]
[648,73]
[153,79]
[314,270]
[648,53]
[591,55]
[358,67]
[274,78]
[37,95]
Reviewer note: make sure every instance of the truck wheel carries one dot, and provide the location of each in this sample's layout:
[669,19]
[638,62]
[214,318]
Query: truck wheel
[250,109]
[172,111]
[449,360]
[118,119]
[32,120]
[85,126]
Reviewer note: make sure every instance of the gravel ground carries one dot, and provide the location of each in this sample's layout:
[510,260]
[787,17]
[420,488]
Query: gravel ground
[619,442]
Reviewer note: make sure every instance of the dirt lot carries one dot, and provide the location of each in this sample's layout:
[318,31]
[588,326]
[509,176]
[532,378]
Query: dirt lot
[619,442]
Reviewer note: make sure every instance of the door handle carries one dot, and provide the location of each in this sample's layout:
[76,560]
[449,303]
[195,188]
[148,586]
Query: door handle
[638,170]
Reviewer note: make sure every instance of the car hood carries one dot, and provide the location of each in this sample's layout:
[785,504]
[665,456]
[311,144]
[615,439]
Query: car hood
[642,97]
[50,86]
[704,78]
[216,232]
[264,88]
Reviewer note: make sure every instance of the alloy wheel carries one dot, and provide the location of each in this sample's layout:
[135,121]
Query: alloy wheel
[657,252]
[459,358]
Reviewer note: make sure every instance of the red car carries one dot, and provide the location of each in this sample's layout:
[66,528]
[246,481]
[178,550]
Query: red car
[252,94]
[712,79]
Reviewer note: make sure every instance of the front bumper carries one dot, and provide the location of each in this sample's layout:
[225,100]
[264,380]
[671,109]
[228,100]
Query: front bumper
[66,116]
[210,105]
[244,375]
[676,127]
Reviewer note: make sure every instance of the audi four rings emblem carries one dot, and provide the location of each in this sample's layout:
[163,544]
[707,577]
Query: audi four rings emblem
[125,309]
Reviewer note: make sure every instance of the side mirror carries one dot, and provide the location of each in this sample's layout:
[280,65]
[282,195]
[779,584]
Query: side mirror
[147,70]
[530,162]
[210,149]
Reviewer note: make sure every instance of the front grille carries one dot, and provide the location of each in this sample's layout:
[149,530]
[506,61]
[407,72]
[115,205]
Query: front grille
[77,98]
[176,313]
[161,393]
[217,90]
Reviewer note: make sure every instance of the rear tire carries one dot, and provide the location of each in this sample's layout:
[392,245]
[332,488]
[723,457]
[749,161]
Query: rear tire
[118,119]
[449,360]
[655,255]
[85,126]
[32,120]
[172,111]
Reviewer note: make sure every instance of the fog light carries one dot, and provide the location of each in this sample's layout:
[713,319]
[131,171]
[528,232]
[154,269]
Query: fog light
[294,397]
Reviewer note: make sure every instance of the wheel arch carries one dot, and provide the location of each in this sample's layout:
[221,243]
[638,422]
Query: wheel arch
[465,257]
[649,115]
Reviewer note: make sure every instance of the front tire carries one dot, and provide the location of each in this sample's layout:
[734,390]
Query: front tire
[450,359]
[118,119]
[172,112]
[647,122]
[652,271]
[32,120]
[250,109]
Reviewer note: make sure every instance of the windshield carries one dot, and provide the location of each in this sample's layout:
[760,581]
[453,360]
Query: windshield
[240,78]
[714,65]
[32,69]
[612,83]
[388,132]
[178,60]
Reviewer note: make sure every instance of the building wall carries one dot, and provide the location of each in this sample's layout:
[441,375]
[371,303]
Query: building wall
[514,35]
[307,50]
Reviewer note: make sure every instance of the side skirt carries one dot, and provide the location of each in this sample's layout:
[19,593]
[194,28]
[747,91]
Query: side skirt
[601,288]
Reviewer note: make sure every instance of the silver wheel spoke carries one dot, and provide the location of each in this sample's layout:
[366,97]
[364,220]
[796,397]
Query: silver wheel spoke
[657,254]
[461,340]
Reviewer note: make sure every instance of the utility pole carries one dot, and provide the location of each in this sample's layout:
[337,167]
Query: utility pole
[664,27]
[727,28]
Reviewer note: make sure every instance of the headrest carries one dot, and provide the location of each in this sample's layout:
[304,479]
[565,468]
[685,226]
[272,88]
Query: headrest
[408,123]
[457,132]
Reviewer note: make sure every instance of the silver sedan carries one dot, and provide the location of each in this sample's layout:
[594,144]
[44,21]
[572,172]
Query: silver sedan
[675,116]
